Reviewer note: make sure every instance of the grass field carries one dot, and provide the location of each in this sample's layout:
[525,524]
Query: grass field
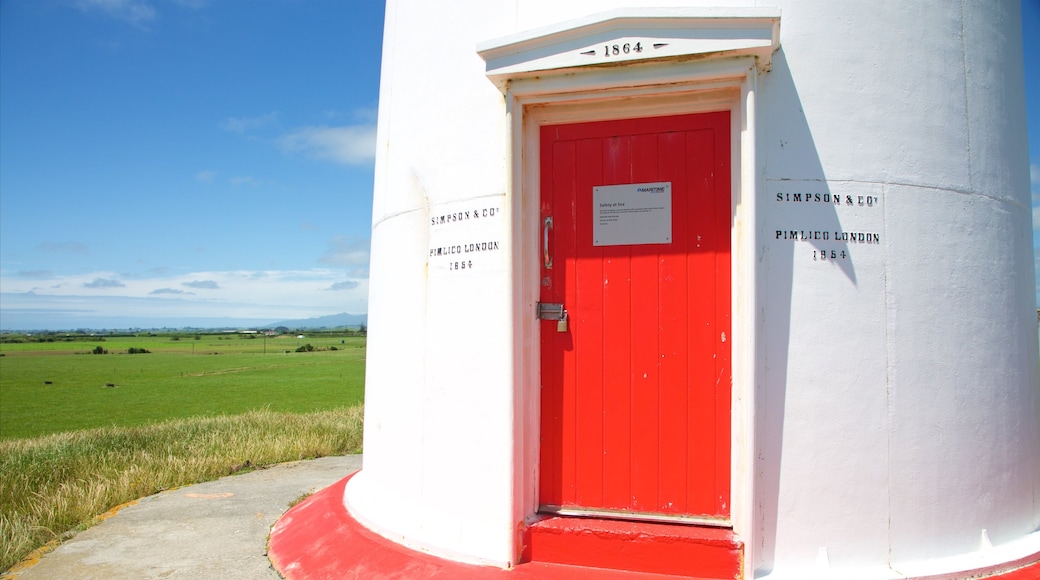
[49,387]
[81,433]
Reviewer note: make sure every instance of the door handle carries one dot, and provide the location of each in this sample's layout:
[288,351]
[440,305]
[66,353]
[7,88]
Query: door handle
[546,257]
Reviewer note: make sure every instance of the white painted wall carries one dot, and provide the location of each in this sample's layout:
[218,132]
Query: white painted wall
[897,406]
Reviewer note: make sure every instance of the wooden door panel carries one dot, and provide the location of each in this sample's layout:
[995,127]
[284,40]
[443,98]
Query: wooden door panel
[635,395]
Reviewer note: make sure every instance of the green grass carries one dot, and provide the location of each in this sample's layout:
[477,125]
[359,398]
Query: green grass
[81,433]
[49,387]
[54,484]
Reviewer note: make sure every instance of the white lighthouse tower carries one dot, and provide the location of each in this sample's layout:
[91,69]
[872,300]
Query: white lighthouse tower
[724,289]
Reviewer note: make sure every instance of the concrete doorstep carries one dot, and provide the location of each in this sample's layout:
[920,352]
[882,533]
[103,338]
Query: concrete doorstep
[217,529]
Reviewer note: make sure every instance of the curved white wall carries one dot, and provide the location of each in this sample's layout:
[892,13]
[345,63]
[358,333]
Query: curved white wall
[897,407]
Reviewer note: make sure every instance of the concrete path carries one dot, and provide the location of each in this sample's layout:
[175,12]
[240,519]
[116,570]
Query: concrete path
[217,529]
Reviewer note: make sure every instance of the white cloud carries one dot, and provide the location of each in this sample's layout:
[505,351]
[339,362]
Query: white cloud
[245,294]
[345,144]
[367,114]
[348,145]
[169,291]
[204,284]
[344,251]
[135,12]
[206,176]
[245,124]
[358,272]
[104,283]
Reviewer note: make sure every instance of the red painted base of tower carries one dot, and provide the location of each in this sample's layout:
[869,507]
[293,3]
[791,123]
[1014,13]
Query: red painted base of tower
[318,539]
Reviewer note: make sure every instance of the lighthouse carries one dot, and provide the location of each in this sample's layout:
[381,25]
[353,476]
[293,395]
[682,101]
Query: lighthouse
[726,289]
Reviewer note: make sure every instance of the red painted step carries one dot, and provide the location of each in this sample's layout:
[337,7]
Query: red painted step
[655,548]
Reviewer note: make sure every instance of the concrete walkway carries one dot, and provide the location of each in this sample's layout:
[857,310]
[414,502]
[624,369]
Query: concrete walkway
[217,529]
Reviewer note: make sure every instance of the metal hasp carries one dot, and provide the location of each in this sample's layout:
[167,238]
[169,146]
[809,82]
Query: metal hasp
[551,311]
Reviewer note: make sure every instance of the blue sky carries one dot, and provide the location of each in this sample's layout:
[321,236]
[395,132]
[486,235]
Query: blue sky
[171,162]
[203,162]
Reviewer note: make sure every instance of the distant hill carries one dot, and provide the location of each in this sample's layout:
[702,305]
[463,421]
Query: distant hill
[330,321]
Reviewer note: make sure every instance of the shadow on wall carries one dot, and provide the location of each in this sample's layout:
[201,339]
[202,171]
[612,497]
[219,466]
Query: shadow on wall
[789,226]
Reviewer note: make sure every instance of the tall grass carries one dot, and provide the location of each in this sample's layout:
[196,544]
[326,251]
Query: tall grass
[57,483]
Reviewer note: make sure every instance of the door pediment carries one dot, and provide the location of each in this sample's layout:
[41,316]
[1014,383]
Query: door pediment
[629,36]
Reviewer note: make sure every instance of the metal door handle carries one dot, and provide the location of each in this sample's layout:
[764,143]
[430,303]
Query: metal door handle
[545,243]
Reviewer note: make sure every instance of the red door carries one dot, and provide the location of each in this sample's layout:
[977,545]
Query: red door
[635,400]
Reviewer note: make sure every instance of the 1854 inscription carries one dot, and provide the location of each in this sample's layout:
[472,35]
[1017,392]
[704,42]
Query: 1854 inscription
[459,238]
[820,237]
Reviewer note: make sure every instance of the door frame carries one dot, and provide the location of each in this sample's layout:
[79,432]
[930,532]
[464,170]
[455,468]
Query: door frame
[638,90]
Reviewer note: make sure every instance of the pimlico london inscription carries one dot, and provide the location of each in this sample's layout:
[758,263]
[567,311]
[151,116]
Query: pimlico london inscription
[844,238]
[460,238]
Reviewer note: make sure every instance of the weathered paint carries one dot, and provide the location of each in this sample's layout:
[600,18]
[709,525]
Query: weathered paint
[885,407]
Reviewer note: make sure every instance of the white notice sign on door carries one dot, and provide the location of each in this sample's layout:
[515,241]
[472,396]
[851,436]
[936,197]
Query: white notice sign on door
[631,214]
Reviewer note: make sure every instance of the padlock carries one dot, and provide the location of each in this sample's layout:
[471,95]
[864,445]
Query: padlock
[561,325]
